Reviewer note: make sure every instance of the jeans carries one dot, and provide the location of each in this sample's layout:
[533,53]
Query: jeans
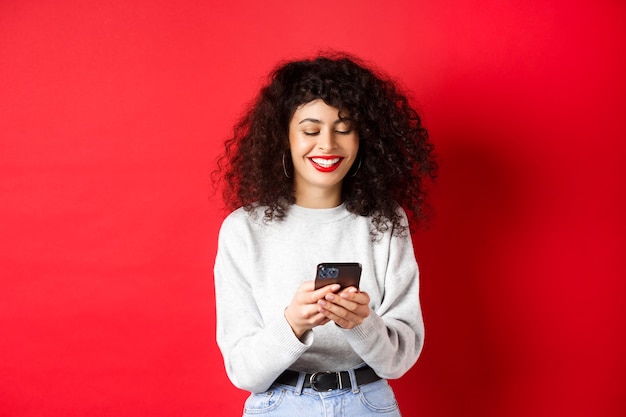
[373,399]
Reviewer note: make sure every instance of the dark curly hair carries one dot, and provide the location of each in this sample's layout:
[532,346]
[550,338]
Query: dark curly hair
[395,153]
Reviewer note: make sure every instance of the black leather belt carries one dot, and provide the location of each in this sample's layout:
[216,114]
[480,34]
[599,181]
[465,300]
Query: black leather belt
[328,381]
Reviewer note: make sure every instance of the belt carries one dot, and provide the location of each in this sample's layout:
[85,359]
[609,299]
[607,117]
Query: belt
[328,381]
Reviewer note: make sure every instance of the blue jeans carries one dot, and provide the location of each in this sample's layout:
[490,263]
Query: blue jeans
[373,399]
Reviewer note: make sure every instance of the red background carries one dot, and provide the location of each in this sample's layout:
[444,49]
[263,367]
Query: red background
[112,114]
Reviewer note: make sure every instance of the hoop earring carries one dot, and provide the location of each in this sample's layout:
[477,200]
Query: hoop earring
[357,168]
[284,166]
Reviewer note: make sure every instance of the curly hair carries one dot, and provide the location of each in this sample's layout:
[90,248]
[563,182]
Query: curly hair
[395,153]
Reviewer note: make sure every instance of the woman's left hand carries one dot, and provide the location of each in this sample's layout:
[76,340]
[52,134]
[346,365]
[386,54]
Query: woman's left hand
[347,308]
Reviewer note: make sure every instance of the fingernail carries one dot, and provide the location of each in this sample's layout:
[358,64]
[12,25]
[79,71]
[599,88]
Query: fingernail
[322,302]
[330,297]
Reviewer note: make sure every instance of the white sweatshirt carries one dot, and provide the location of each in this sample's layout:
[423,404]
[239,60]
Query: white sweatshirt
[259,267]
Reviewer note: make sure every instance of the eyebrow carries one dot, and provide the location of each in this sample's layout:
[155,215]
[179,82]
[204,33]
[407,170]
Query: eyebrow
[311,120]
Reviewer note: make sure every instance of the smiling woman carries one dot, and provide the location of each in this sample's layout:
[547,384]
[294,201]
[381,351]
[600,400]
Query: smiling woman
[395,155]
[358,156]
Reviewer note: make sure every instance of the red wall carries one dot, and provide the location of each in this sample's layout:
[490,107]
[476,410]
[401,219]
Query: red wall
[111,115]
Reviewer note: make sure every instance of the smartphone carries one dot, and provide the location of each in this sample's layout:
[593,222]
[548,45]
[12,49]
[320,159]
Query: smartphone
[346,274]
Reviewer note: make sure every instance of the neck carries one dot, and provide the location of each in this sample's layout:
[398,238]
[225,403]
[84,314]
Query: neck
[319,199]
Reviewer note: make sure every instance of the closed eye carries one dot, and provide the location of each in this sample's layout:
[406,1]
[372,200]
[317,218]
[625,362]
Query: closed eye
[343,132]
[312,133]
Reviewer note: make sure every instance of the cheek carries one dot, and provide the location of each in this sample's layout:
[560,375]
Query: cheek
[299,146]
[291,141]
[355,146]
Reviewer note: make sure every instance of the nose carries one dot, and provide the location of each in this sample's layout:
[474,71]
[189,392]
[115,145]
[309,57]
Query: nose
[326,141]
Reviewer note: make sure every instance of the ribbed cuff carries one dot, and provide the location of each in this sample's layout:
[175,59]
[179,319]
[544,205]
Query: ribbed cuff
[364,330]
[287,340]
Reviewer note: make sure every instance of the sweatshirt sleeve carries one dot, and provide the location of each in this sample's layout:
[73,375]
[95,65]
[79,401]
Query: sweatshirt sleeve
[255,352]
[391,338]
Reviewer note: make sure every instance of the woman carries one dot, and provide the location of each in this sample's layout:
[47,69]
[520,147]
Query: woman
[327,165]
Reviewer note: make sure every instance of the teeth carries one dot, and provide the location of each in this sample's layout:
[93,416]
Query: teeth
[326,163]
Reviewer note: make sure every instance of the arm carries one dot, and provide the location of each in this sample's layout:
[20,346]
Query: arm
[389,338]
[255,352]
[257,345]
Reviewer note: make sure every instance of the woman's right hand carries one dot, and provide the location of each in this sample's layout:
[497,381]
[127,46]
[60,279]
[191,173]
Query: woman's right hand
[302,313]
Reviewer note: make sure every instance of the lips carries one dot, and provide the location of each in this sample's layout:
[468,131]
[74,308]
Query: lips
[326,163]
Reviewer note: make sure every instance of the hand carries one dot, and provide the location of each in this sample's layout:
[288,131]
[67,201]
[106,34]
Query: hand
[302,314]
[347,309]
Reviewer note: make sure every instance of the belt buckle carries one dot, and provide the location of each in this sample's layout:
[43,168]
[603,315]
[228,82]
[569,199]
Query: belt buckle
[323,381]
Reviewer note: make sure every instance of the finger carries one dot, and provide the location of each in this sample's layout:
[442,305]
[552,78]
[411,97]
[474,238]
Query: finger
[341,301]
[313,317]
[345,309]
[350,289]
[342,321]
[337,311]
[307,294]
[319,318]
[323,292]
[307,286]
[323,320]
[358,297]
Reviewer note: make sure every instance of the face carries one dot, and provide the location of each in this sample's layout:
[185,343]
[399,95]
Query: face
[323,148]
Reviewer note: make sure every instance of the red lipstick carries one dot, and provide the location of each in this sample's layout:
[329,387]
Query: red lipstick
[326,163]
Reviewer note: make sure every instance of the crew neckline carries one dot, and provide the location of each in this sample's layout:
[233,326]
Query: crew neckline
[319,214]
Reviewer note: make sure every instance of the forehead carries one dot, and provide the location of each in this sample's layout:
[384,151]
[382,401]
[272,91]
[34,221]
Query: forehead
[317,110]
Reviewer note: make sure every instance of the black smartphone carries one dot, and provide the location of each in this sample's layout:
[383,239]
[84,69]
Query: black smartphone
[346,274]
